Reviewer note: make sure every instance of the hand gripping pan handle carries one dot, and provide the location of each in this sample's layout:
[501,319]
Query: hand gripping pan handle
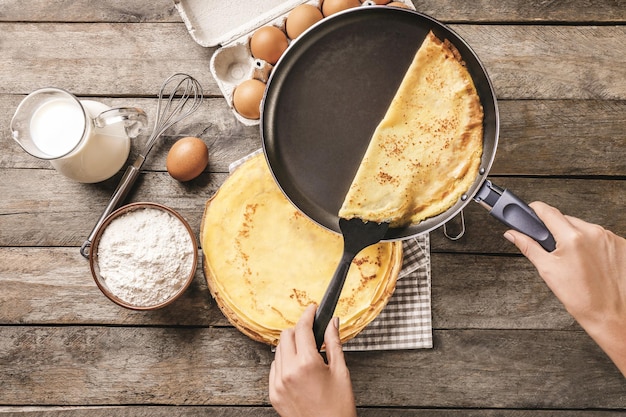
[512,211]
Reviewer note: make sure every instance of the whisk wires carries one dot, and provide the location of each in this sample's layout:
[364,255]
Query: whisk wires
[171,110]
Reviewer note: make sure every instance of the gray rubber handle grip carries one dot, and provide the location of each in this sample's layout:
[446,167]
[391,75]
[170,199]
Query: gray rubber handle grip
[515,213]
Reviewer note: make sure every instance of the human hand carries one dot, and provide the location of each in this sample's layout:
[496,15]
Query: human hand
[301,383]
[587,273]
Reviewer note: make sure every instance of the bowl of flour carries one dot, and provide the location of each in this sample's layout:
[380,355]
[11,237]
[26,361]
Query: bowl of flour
[144,256]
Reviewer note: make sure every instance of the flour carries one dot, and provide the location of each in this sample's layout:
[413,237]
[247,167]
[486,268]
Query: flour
[145,256]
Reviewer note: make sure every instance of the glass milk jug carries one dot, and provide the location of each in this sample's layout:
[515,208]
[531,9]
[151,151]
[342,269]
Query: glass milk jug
[84,140]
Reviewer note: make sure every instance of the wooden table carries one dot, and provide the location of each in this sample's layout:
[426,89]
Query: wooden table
[503,345]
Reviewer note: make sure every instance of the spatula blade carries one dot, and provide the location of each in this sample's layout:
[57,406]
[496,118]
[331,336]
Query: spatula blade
[357,235]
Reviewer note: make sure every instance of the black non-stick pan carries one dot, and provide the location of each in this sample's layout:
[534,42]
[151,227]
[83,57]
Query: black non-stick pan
[323,101]
[330,90]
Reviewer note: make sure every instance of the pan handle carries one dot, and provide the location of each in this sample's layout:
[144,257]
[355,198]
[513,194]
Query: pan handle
[512,211]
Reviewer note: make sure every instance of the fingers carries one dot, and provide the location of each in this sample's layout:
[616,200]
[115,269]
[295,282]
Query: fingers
[275,377]
[272,379]
[287,344]
[334,352]
[522,241]
[554,221]
[304,338]
[276,368]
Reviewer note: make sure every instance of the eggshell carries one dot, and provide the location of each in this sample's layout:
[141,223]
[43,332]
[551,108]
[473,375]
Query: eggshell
[187,158]
[268,43]
[301,18]
[330,7]
[247,98]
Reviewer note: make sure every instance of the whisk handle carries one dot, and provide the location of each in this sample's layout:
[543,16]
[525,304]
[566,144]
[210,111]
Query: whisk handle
[118,197]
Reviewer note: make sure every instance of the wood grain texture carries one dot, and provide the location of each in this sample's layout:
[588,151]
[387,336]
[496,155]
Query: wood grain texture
[446,10]
[53,286]
[64,212]
[576,197]
[524,62]
[227,139]
[537,137]
[122,59]
[180,366]
[561,138]
[514,11]
[503,344]
[89,11]
[218,411]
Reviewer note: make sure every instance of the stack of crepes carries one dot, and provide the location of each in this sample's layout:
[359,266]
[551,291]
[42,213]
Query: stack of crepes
[265,261]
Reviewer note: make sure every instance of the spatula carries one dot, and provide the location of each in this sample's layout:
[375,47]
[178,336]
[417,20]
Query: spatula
[357,235]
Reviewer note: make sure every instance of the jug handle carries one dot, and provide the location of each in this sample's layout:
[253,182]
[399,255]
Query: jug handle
[134,119]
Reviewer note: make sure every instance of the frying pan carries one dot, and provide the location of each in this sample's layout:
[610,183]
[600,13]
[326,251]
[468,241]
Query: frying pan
[329,91]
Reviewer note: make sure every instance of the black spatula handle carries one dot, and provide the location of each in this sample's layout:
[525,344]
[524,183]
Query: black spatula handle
[357,235]
[327,306]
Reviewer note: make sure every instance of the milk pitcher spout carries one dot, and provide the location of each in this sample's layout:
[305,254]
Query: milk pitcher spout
[84,140]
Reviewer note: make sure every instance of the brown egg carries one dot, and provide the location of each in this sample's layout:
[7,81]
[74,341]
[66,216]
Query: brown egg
[268,43]
[330,7]
[247,98]
[301,18]
[187,158]
[398,4]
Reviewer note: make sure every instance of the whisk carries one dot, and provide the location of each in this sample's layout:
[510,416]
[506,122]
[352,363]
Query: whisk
[184,98]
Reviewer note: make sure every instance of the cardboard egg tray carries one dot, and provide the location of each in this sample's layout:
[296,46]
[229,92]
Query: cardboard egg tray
[229,24]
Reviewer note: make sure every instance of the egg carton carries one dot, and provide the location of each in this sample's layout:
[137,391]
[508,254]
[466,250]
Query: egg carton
[230,25]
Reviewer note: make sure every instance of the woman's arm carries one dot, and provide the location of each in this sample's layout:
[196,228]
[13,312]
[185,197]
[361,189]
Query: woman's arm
[587,273]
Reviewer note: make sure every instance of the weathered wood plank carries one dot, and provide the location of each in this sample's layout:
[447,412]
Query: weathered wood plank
[473,368]
[492,292]
[569,137]
[227,139]
[504,346]
[100,58]
[524,11]
[62,213]
[69,212]
[89,11]
[537,137]
[541,62]
[53,286]
[579,198]
[200,366]
[528,62]
[236,411]
[447,10]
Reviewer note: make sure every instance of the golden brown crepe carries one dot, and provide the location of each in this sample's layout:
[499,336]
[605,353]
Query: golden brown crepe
[426,151]
[265,261]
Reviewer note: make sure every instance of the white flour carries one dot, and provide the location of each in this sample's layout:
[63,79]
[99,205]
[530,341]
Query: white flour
[145,256]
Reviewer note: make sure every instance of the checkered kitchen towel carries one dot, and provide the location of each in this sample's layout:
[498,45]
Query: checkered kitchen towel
[405,322]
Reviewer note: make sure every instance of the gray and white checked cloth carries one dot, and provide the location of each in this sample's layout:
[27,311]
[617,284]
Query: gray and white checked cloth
[405,322]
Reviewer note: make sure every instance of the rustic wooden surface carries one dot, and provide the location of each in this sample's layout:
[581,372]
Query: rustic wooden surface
[503,345]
